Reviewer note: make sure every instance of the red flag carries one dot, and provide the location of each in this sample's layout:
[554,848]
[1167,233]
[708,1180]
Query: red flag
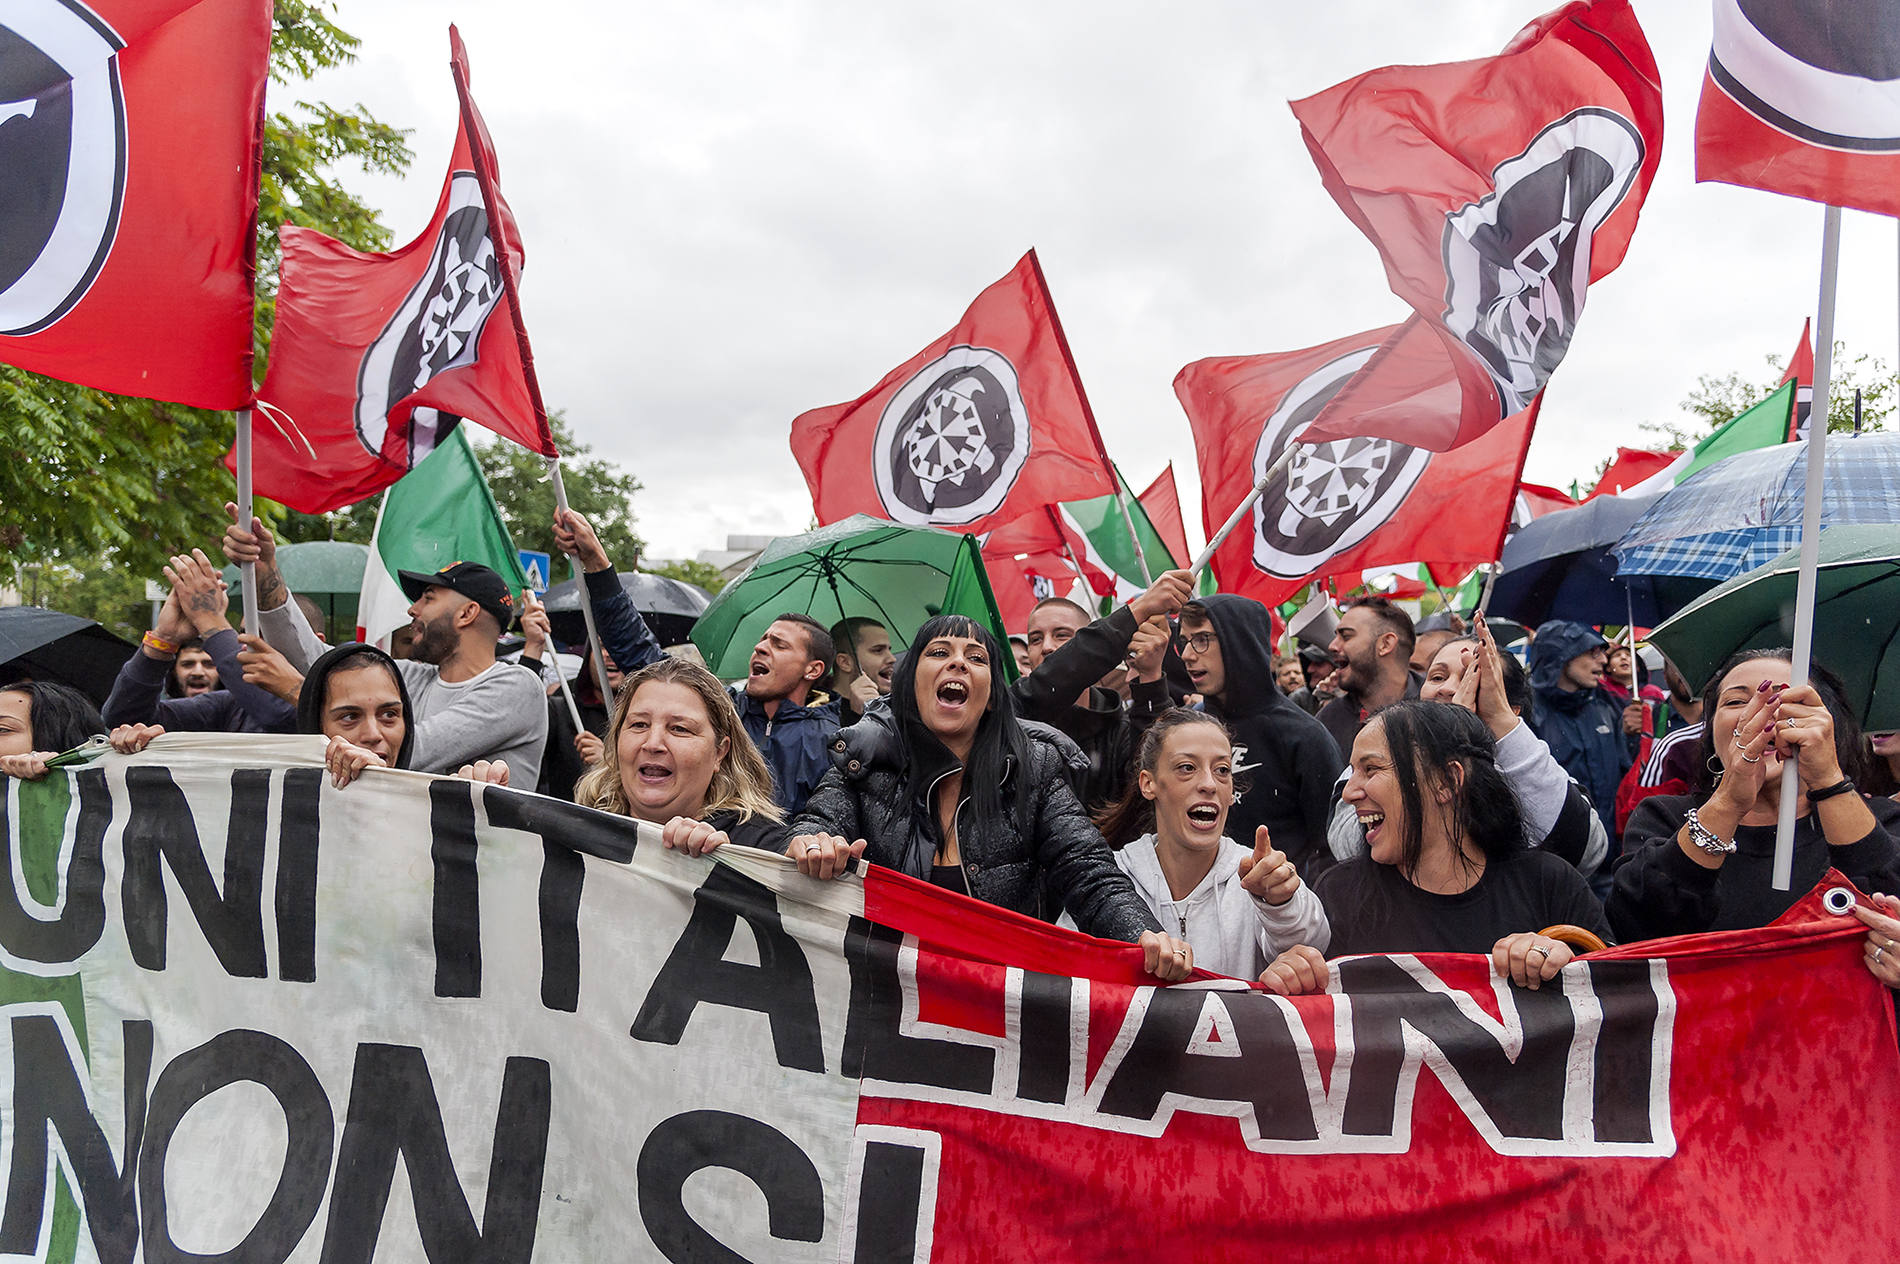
[129,149]
[1162,500]
[1539,500]
[1803,99]
[1631,466]
[1801,373]
[1050,533]
[986,423]
[1496,190]
[376,356]
[1345,504]
[1019,582]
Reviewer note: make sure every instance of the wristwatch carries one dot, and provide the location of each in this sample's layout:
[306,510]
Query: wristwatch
[1704,837]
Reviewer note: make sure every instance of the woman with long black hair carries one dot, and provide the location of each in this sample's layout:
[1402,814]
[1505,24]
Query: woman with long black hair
[1703,861]
[1447,867]
[949,787]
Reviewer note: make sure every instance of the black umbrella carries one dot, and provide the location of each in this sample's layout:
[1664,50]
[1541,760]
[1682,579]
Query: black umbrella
[670,607]
[38,644]
[1559,567]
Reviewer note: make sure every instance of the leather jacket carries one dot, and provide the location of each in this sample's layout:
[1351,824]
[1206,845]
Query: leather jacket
[876,791]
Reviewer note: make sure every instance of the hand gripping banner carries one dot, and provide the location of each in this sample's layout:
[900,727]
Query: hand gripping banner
[237,1000]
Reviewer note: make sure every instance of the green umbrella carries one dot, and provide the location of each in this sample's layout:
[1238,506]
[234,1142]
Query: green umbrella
[1856,618]
[329,572]
[860,567]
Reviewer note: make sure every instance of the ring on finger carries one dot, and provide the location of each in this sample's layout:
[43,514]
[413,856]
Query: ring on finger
[1879,952]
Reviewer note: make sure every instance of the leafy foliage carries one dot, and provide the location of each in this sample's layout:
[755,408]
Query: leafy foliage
[705,574]
[1716,400]
[596,489]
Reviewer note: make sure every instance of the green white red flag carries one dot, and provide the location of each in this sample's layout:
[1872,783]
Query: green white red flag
[440,513]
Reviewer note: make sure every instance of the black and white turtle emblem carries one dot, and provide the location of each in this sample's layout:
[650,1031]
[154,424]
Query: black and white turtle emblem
[1517,261]
[1826,71]
[62,157]
[438,327]
[952,440]
[1332,495]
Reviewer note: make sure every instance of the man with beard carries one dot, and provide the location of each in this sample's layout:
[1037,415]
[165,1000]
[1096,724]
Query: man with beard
[193,671]
[862,665]
[1284,761]
[468,705]
[787,716]
[1079,672]
[194,616]
[1372,657]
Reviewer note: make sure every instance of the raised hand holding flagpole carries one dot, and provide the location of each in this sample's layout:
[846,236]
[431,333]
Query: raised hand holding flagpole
[1247,503]
[1783,875]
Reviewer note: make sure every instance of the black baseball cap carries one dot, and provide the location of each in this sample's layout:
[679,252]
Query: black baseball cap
[478,583]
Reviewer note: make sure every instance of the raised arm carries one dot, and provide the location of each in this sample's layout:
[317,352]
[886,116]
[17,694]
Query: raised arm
[623,633]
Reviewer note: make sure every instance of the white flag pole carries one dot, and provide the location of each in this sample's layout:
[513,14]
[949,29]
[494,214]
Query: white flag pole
[1240,511]
[587,601]
[1810,529]
[246,503]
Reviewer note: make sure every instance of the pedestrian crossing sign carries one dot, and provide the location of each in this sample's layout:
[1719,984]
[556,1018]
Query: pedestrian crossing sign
[535,566]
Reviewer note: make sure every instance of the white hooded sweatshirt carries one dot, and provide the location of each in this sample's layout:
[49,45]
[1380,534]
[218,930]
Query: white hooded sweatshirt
[1231,932]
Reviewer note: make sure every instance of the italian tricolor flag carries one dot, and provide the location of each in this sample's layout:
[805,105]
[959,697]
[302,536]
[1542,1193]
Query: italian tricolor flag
[1762,426]
[440,513]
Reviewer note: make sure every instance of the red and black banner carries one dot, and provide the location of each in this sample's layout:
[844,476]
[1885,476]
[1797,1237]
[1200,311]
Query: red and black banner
[376,356]
[1497,192]
[1341,505]
[130,135]
[985,424]
[1803,98]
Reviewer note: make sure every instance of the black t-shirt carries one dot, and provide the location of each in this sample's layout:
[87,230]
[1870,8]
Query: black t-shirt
[761,832]
[1373,909]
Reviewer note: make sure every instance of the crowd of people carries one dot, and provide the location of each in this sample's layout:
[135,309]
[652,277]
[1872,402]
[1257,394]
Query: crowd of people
[1158,775]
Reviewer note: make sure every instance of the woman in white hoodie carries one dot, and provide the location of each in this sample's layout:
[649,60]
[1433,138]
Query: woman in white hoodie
[1238,907]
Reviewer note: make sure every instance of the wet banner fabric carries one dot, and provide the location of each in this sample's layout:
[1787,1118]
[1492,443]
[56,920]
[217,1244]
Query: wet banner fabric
[422,1019]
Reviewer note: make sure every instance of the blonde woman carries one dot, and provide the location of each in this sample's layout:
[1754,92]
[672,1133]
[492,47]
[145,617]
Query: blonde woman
[680,759]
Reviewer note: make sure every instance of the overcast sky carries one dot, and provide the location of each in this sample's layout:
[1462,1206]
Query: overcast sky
[735,211]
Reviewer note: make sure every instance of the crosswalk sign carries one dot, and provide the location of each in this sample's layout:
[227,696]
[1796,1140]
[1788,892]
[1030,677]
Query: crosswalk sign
[535,566]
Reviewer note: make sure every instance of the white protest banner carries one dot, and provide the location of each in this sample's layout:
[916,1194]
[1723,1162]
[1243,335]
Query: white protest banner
[250,1016]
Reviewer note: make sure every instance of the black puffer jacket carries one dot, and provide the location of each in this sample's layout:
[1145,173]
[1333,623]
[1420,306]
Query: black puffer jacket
[874,792]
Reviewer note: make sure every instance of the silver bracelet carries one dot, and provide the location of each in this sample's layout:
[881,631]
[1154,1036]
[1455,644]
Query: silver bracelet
[1705,838]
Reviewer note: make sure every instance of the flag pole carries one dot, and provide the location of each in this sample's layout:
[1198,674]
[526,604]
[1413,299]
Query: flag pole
[1088,415]
[247,508]
[1240,511]
[484,180]
[573,710]
[1490,579]
[1068,549]
[1810,530]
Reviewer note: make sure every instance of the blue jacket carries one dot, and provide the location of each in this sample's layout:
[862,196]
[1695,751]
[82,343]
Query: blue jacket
[1584,729]
[794,742]
[622,630]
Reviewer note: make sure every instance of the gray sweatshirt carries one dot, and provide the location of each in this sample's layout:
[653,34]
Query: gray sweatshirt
[1231,932]
[502,713]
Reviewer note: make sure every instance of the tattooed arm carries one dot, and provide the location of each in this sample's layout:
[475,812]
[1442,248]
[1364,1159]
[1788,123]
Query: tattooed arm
[259,546]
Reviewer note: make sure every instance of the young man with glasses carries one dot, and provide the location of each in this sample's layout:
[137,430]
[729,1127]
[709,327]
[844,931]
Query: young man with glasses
[1284,760]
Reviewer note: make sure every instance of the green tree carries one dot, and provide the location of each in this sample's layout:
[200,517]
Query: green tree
[705,574]
[596,489]
[1716,400]
[90,480]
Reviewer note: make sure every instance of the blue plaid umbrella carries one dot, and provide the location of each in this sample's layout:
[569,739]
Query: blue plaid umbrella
[1743,512]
